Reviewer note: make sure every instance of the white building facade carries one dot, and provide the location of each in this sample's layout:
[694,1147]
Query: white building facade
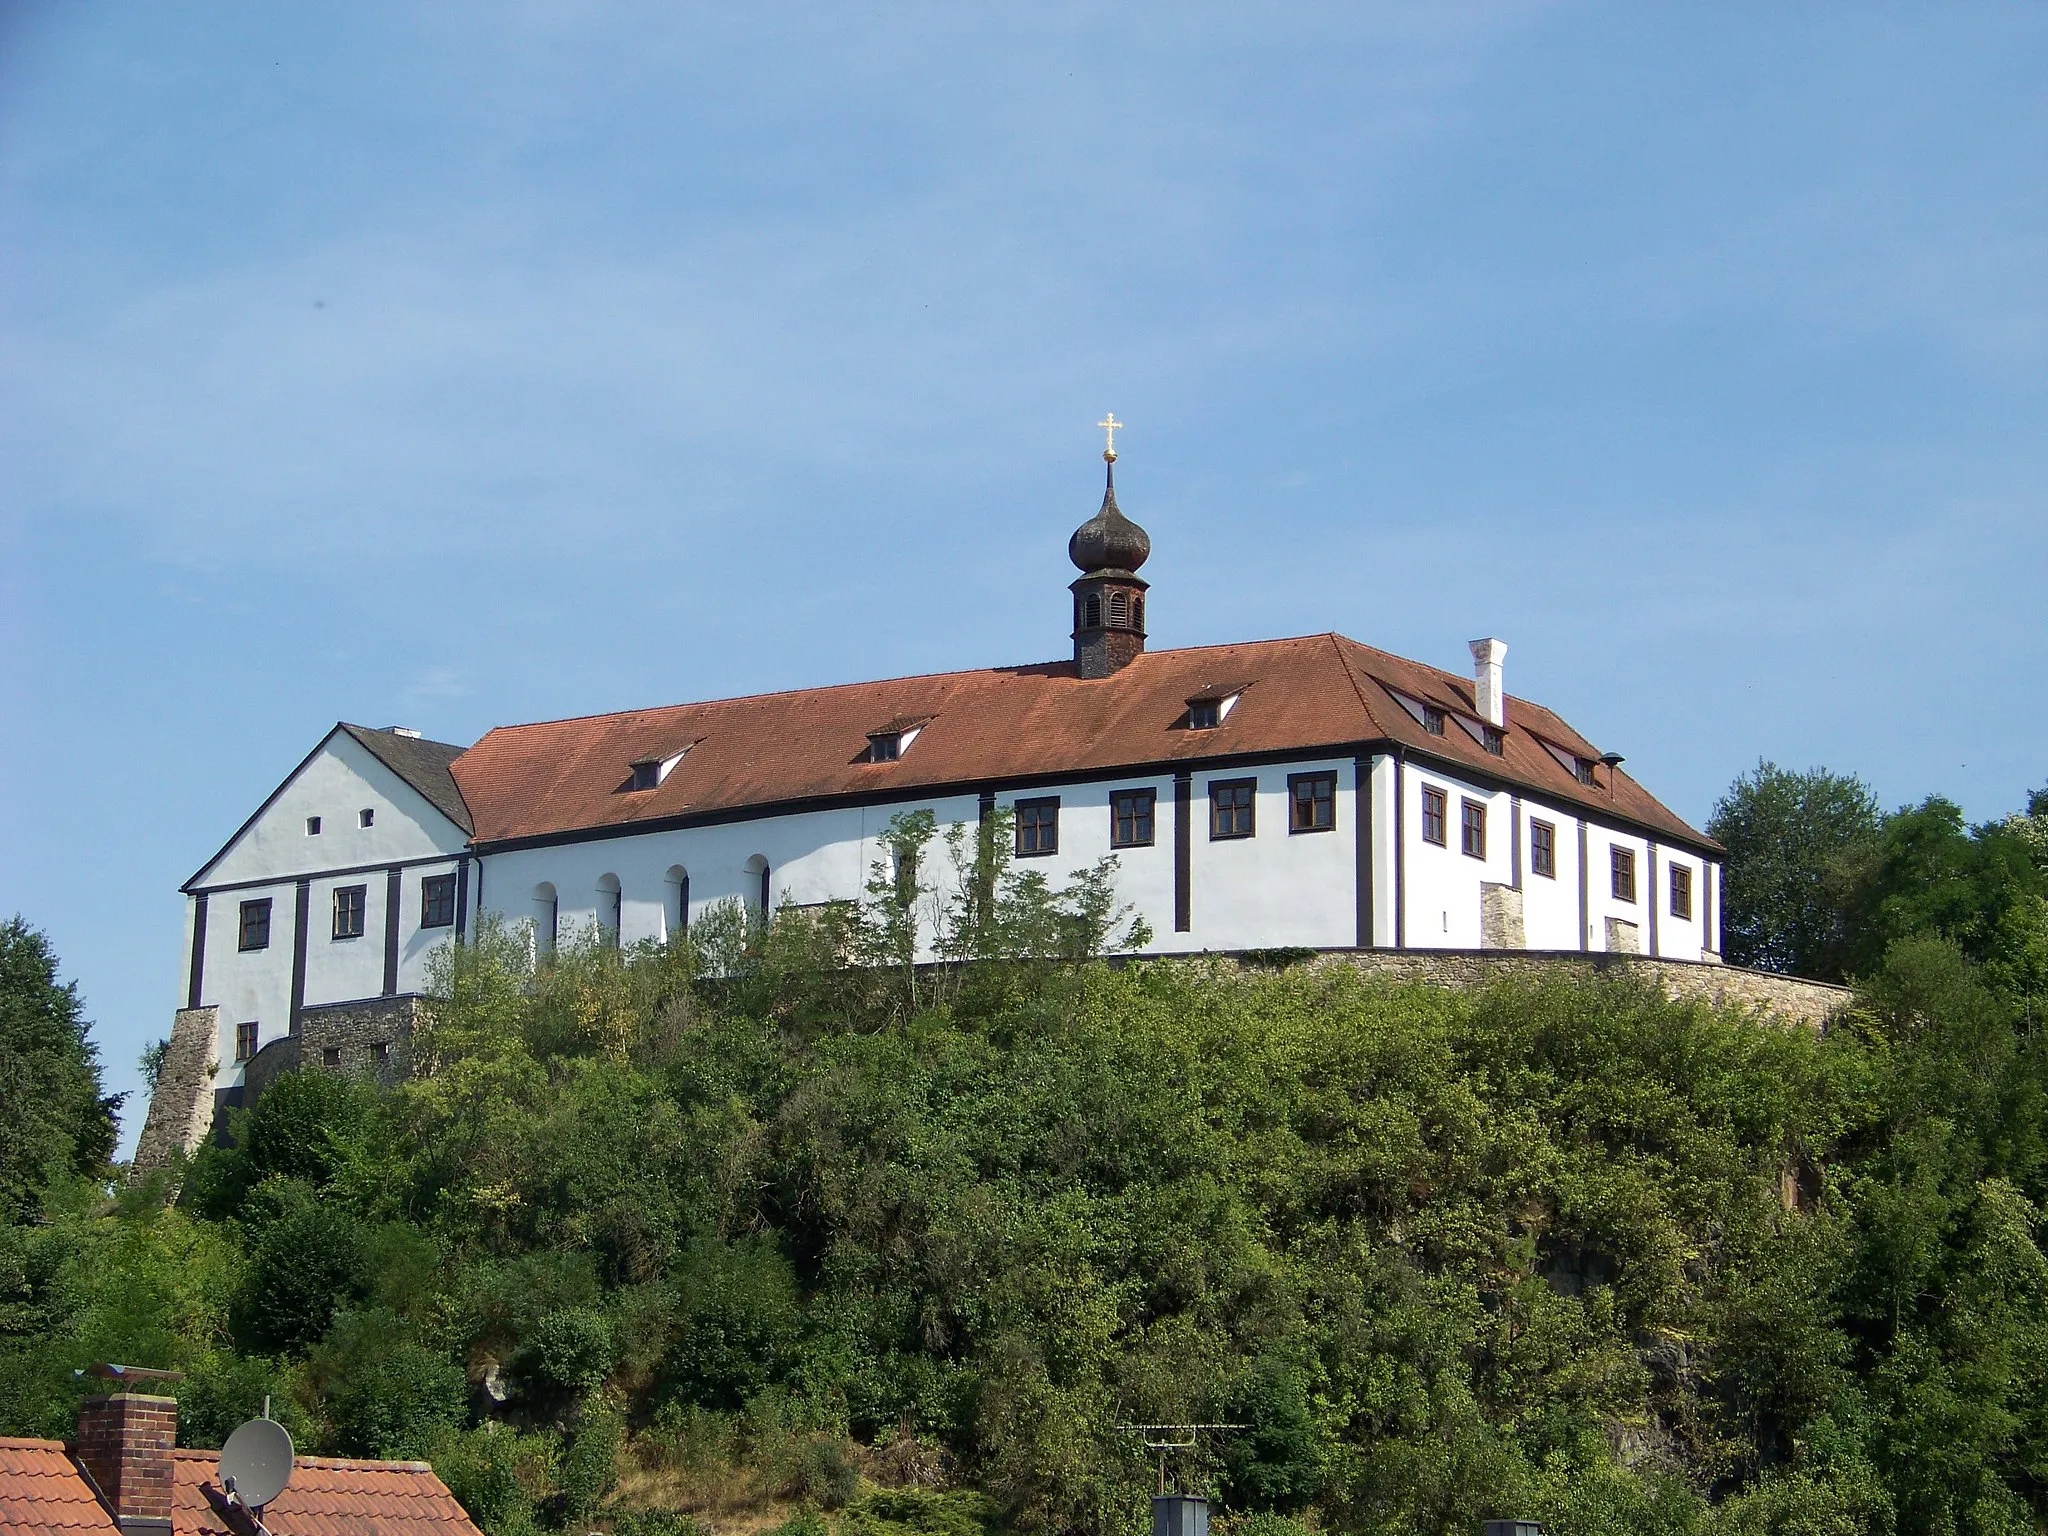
[1304,793]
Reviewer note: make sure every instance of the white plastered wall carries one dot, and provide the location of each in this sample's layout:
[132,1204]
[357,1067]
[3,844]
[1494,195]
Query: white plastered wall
[812,856]
[1441,883]
[1550,904]
[339,782]
[267,857]
[1276,888]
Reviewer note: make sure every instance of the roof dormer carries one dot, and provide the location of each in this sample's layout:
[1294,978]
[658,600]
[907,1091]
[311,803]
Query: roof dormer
[648,772]
[1209,708]
[886,743]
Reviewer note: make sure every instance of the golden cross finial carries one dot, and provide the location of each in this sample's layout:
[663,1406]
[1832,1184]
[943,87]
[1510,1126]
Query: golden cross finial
[1109,425]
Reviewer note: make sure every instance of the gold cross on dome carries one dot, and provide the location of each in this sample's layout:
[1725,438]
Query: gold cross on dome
[1109,425]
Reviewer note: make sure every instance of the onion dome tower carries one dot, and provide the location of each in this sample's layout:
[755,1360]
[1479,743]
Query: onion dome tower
[1109,599]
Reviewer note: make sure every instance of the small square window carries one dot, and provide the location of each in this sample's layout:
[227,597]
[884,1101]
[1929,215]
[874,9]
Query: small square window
[255,930]
[1622,863]
[312,826]
[1583,768]
[1432,720]
[437,901]
[1681,892]
[245,1039]
[1038,827]
[1130,818]
[330,1055]
[1232,806]
[381,1050]
[1435,815]
[1472,829]
[1490,737]
[1312,802]
[349,901]
[1205,714]
[1543,849]
[366,817]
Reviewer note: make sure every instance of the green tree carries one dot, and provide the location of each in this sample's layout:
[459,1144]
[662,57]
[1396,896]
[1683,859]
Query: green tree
[58,1122]
[1795,842]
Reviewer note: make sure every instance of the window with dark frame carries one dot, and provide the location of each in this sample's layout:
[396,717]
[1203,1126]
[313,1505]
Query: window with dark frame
[1091,611]
[1681,892]
[1435,815]
[1130,818]
[1490,737]
[330,1055]
[1205,714]
[366,817]
[885,747]
[1583,767]
[1432,720]
[245,1039]
[904,874]
[1543,849]
[381,1050]
[1231,808]
[349,901]
[255,931]
[1472,829]
[1622,862]
[1038,827]
[1312,802]
[312,826]
[437,901]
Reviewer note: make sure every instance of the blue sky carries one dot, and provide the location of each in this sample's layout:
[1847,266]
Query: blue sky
[466,364]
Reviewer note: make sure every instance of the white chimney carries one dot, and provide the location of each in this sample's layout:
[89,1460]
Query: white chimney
[1488,697]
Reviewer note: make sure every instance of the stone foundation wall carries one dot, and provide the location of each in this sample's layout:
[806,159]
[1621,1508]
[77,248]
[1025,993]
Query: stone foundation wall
[1811,1003]
[371,1038]
[181,1108]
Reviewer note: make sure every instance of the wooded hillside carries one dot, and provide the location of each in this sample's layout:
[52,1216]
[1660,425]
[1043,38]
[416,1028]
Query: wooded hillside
[733,1234]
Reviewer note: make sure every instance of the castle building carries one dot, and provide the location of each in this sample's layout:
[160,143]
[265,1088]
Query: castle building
[1309,792]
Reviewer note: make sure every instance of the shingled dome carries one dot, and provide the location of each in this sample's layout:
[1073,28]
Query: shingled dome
[1109,540]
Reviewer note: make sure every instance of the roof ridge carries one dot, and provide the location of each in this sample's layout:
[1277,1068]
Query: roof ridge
[385,730]
[329,1463]
[1337,644]
[879,682]
[32,1443]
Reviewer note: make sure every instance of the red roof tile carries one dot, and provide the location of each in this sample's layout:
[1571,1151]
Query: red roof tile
[43,1491]
[1009,725]
[329,1497]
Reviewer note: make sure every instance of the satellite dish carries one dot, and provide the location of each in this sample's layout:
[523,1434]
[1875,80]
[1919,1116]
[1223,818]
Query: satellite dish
[256,1462]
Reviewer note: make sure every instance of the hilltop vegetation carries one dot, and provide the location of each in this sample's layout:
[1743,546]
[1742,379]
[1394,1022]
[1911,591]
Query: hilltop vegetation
[733,1233]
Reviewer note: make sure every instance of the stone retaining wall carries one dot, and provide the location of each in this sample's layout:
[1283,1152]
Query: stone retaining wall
[1811,1003]
[371,1038]
[181,1108]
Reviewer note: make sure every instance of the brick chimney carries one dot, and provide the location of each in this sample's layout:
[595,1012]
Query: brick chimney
[124,1445]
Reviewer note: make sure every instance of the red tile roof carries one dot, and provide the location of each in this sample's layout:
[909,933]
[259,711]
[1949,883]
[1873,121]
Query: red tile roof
[1010,725]
[42,1491]
[328,1496]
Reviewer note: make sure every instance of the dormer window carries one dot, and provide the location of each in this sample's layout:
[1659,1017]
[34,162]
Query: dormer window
[1490,737]
[1212,706]
[1582,770]
[1432,720]
[648,772]
[889,742]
